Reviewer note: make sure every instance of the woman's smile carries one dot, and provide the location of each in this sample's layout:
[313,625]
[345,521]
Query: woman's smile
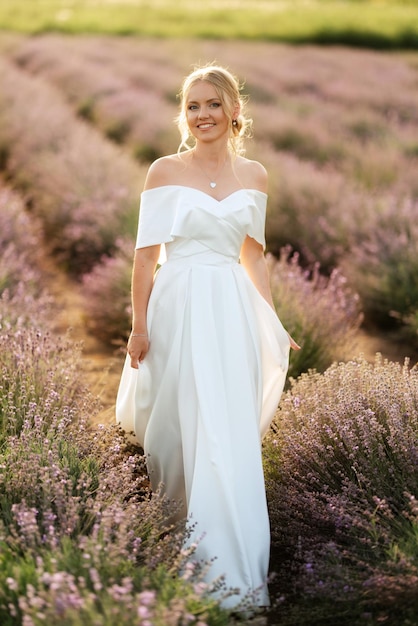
[205,126]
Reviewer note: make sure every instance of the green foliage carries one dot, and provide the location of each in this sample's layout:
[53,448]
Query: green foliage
[85,110]
[307,146]
[118,131]
[412,324]
[387,24]
[146,153]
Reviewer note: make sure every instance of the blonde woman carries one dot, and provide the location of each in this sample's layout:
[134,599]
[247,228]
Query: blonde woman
[207,355]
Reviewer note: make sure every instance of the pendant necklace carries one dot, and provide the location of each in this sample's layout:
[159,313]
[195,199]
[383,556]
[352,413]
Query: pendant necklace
[212,183]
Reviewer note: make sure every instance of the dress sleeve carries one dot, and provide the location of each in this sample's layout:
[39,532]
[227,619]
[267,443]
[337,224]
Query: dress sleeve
[156,217]
[256,229]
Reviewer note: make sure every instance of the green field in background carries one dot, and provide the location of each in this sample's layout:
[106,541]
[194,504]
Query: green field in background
[378,24]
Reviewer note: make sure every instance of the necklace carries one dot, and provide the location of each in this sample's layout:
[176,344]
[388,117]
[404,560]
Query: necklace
[212,182]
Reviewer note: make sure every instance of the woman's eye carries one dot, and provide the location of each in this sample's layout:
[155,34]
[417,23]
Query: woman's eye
[192,107]
[215,105]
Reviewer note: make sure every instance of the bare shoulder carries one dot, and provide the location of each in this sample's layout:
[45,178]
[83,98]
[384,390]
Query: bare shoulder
[253,173]
[164,171]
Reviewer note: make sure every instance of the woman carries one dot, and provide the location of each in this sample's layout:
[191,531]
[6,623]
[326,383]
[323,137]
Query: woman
[211,352]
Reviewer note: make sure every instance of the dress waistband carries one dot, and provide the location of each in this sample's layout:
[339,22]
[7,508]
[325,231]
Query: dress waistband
[207,257]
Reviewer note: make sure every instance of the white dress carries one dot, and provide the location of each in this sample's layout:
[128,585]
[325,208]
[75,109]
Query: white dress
[210,384]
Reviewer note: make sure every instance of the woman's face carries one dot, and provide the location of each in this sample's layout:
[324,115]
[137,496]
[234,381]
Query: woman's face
[206,117]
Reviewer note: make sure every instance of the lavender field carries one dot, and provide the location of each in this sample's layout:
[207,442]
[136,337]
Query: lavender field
[80,537]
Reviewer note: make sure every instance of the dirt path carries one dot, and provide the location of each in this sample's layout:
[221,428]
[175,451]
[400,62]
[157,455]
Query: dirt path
[372,341]
[101,364]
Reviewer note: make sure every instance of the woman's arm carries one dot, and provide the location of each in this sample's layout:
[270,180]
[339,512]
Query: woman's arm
[145,262]
[253,260]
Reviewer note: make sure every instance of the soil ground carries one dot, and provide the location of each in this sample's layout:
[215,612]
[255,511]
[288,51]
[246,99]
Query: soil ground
[101,363]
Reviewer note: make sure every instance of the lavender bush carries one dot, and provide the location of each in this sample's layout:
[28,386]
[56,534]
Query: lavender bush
[39,371]
[107,294]
[83,541]
[19,237]
[15,224]
[383,264]
[113,87]
[341,468]
[83,189]
[322,313]
[81,538]
[314,211]
[14,267]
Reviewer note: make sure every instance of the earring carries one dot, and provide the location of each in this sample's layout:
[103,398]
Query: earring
[234,123]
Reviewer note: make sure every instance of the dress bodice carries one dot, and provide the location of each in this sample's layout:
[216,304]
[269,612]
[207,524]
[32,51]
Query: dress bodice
[189,220]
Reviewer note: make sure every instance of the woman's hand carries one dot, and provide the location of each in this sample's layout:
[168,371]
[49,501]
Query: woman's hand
[145,262]
[138,346]
[293,344]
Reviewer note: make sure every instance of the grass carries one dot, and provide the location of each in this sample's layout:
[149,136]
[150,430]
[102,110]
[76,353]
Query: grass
[374,24]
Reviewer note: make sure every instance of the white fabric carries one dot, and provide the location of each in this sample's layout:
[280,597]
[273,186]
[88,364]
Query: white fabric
[165,210]
[211,381]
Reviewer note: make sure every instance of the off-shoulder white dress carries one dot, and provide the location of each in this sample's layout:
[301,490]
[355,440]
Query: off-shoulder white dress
[211,381]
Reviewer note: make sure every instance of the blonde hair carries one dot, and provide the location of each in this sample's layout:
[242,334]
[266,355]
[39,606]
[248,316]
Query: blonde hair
[228,90]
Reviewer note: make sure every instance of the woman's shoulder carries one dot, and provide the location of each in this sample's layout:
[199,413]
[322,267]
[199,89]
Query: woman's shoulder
[164,170]
[253,172]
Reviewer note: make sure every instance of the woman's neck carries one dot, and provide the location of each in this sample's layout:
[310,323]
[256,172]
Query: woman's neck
[213,155]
